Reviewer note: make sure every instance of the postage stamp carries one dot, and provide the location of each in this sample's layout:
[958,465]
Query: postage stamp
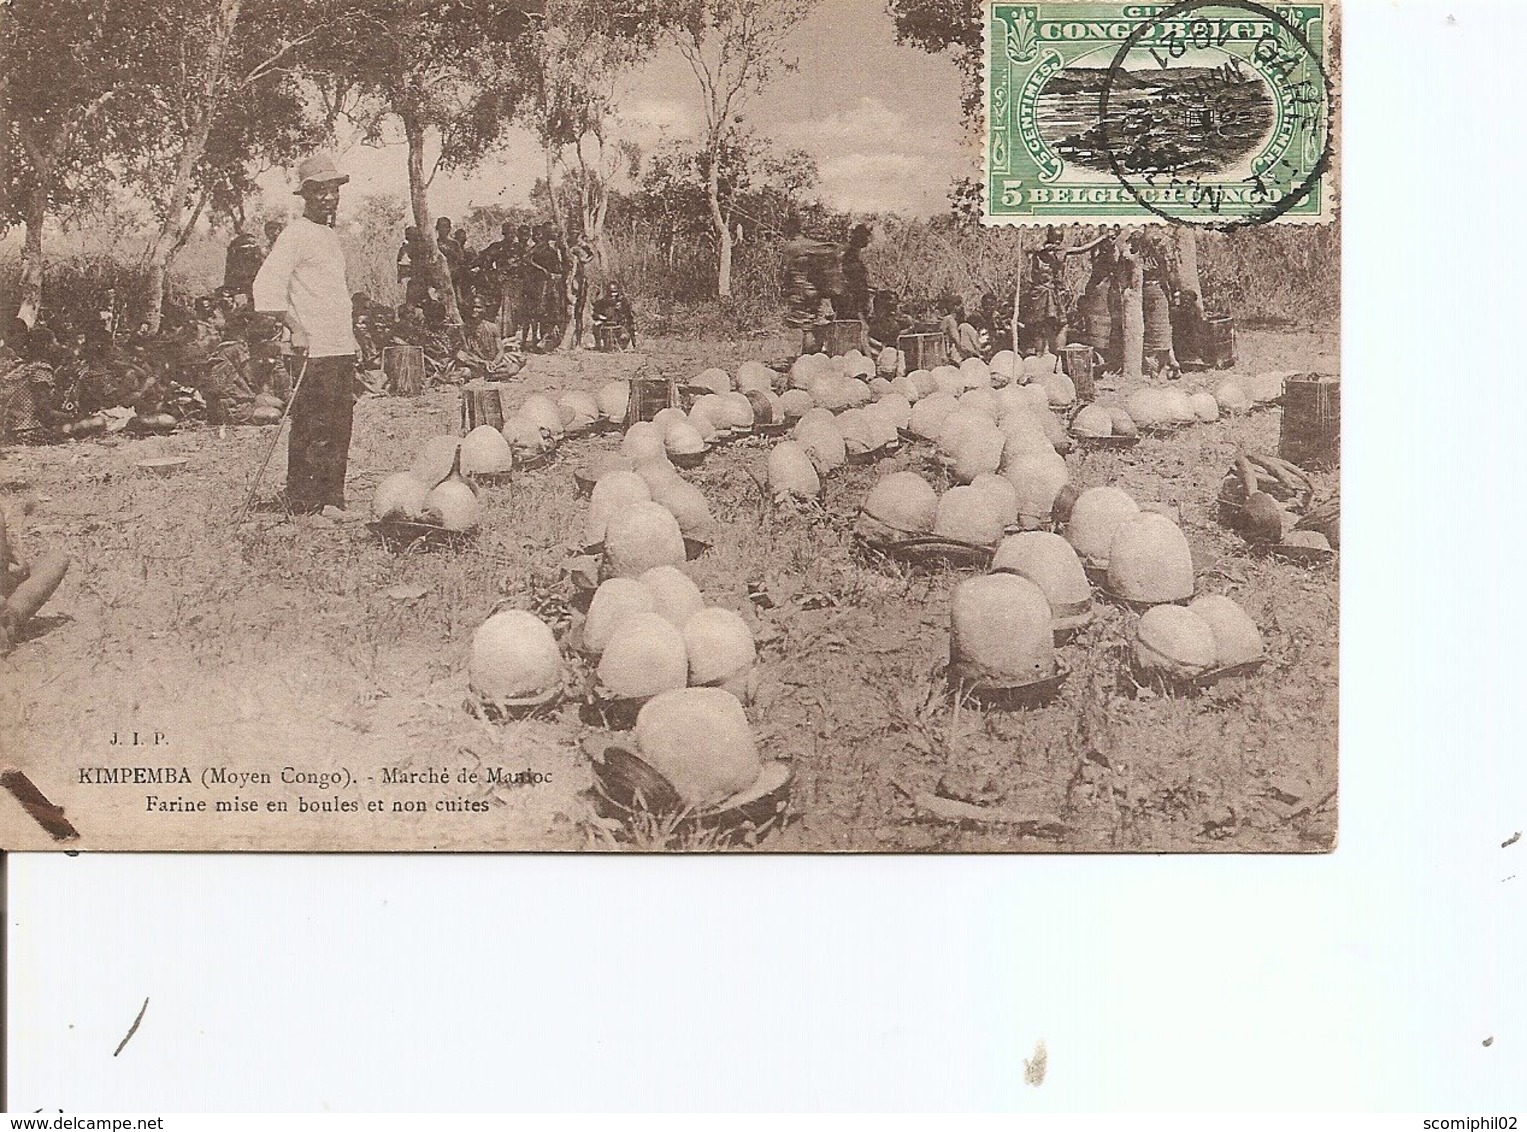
[1217,114]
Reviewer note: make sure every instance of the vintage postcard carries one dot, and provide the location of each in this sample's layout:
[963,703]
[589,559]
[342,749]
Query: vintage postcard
[768,425]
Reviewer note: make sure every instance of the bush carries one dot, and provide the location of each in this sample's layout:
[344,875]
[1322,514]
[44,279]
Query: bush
[1272,275]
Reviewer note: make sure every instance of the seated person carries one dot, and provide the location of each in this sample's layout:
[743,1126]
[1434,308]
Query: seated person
[485,356]
[994,324]
[24,587]
[409,328]
[886,323]
[614,320]
[361,324]
[961,337]
[27,385]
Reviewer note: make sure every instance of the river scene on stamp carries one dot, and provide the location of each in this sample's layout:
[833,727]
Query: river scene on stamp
[1175,120]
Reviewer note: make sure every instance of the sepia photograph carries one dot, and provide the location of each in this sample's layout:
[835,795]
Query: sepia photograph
[778,426]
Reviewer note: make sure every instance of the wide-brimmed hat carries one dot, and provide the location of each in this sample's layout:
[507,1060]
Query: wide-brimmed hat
[319,169]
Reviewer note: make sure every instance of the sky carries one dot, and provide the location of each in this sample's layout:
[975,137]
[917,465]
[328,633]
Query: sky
[881,120]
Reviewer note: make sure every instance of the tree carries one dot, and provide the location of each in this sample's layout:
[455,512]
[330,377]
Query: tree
[228,99]
[585,49]
[448,72]
[755,184]
[947,25]
[69,103]
[734,47]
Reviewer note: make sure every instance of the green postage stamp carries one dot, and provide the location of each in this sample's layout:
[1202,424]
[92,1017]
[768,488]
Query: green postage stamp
[1216,114]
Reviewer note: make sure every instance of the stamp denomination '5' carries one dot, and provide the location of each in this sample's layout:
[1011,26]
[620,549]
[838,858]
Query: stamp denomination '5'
[1214,114]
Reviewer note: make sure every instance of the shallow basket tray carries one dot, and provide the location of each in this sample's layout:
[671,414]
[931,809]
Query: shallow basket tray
[1086,442]
[493,479]
[1189,684]
[398,533]
[930,550]
[164,466]
[630,787]
[1162,429]
[1016,697]
[773,429]
[617,713]
[1131,603]
[510,710]
[1303,555]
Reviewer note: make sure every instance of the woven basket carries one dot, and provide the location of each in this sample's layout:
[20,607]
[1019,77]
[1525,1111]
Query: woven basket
[649,397]
[1310,435]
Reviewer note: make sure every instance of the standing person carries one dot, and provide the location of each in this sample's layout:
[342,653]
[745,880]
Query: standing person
[1158,269]
[412,270]
[550,264]
[1050,300]
[497,261]
[854,300]
[242,264]
[303,281]
[579,258]
[464,279]
[530,288]
[807,286]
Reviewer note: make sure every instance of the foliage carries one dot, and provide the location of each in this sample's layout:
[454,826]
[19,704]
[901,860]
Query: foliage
[584,50]
[71,86]
[955,26]
[757,185]
[733,47]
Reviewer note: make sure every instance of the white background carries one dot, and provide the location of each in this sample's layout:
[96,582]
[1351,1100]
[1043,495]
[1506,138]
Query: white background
[1367,979]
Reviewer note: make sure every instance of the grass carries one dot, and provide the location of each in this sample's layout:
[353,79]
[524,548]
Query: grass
[284,640]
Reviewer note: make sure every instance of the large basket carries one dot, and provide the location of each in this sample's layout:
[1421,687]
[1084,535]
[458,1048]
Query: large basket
[1217,342]
[481,404]
[923,351]
[403,370]
[843,335]
[1310,435]
[649,397]
[1078,363]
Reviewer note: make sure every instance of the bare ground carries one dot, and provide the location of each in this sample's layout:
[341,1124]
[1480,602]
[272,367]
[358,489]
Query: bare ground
[304,641]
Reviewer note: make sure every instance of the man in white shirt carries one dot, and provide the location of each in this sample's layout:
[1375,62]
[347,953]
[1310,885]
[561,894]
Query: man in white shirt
[303,282]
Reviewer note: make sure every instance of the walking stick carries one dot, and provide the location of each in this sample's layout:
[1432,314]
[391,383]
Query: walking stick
[302,370]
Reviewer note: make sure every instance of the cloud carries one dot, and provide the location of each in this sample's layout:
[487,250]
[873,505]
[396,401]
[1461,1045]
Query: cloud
[650,121]
[876,158]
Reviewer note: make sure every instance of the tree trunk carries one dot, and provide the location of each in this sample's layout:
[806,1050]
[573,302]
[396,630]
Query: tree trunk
[559,222]
[31,252]
[1187,283]
[1017,307]
[178,220]
[718,222]
[1133,308]
[596,207]
[181,211]
[439,271]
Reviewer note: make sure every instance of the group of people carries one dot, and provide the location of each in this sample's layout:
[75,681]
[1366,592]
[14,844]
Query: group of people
[531,282]
[826,282]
